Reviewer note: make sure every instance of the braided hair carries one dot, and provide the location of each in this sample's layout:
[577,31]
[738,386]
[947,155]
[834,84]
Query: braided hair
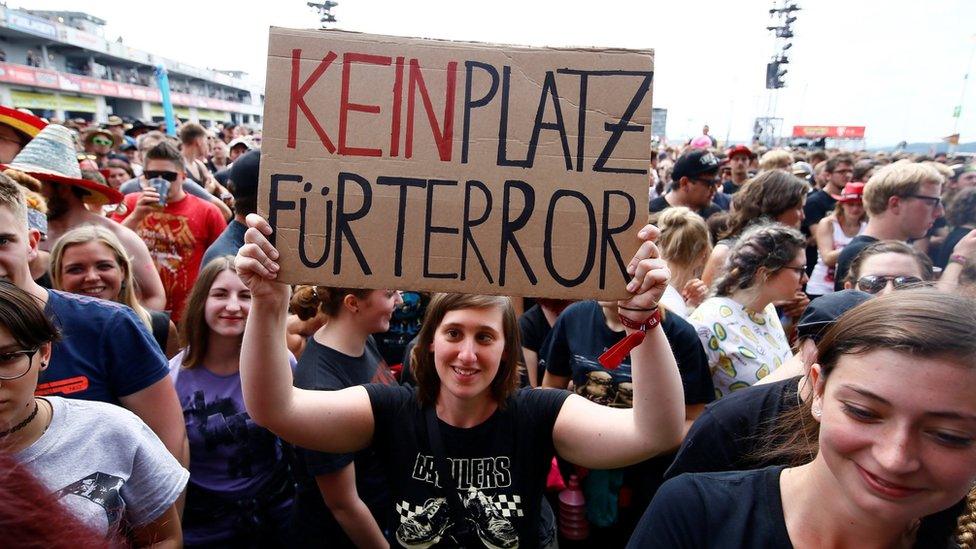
[769,245]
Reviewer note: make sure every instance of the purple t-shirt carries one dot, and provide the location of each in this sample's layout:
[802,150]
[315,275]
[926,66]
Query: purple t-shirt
[229,453]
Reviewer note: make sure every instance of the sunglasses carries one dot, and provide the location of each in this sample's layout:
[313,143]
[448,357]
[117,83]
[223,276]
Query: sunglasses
[873,284]
[102,141]
[167,175]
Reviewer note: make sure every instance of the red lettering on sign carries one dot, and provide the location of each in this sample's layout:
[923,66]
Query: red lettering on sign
[345,106]
[297,98]
[443,138]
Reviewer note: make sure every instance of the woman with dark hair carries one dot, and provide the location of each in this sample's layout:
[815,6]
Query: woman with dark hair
[738,325]
[961,216]
[465,414]
[342,497]
[240,490]
[889,265]
[101,461]
[833,233]
[771,196]
[882,455]
[117,172]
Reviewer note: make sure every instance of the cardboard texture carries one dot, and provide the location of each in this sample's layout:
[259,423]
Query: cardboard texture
[448,166]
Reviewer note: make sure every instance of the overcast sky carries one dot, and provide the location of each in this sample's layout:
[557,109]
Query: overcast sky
[895,66]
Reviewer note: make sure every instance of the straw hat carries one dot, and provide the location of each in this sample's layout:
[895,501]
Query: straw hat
[88,134]
[23,122]
[50,156]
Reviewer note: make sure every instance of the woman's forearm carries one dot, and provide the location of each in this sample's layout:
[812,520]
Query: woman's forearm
[265,373]
[659,408]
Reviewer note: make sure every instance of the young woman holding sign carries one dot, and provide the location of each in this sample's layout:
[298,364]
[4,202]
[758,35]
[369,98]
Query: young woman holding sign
[465,407]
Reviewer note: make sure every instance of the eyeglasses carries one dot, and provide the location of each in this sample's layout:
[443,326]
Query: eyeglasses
[799,270]
[11,367]
[873,284]
[708,182]
[167,175]
[932,201]
[97,140]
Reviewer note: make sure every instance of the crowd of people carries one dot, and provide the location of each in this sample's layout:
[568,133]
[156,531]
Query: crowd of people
[793,366]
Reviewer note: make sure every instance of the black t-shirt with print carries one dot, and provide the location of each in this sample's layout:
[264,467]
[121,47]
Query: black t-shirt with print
[533,329]
[819,203]
[573,348]
[500,469]
[324,369]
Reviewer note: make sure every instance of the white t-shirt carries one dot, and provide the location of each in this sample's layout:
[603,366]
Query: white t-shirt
[104,464]
[742,346]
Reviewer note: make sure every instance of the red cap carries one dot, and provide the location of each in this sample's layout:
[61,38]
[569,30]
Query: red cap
[739,149]
[852,192]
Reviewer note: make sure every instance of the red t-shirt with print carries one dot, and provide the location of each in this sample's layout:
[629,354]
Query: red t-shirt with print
[177,237]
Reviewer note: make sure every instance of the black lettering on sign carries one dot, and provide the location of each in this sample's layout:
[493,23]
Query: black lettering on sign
[433,229]
[510,227]
[549,93]
[275,205]
[403,183]
[607,233]
[302,231]
[624,125]
[547,245]
[470,104]
[466,236]
[343,218]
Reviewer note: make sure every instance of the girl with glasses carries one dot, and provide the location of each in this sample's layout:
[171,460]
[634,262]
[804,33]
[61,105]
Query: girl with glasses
[738,325]
[101,461]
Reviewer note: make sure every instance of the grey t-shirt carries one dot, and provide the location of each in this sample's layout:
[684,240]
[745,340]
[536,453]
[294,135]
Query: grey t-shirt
[104,464]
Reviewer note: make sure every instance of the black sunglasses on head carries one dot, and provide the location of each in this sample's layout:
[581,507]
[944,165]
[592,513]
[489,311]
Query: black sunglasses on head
[873,284]
[167,175]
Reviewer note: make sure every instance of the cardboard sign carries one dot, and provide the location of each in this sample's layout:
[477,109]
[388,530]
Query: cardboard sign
[445,166]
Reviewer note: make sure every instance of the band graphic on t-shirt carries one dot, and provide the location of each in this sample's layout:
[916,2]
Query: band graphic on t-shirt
[613,388]
[101,489]
[487,518]
[220,423]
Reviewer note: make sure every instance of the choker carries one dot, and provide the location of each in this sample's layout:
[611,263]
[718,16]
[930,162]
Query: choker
[22,424]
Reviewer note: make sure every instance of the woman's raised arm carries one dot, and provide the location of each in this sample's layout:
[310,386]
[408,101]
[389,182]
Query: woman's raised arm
[328,421]
[601,437]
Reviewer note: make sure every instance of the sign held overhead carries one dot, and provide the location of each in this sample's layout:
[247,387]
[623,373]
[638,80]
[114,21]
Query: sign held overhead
[449,166]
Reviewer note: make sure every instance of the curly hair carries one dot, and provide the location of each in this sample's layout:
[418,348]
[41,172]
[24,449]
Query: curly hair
[966,527]
[308,301]
[768,195]
[770,245]
[962,210]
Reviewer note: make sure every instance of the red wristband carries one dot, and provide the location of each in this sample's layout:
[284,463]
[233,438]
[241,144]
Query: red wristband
[613,356]
[958,258]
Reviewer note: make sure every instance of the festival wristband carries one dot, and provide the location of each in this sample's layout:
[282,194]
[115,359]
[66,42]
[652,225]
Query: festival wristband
[613,356]
[958,258]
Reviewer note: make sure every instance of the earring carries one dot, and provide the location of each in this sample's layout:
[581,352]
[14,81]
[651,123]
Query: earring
[817,412]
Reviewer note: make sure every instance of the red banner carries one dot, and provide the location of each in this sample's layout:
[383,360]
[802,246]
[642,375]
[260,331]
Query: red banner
[46,78]
[842,132]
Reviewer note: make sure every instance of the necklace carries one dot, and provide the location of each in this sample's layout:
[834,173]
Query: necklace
[22,424]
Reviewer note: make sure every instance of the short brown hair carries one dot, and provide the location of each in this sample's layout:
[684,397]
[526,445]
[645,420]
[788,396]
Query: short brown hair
[191,131]
[902,178]
[422,358]
[962,210]
[164,151]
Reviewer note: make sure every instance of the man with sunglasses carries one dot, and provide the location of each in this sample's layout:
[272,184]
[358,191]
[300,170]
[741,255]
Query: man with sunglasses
[178,227]
[903,200]
[694,183]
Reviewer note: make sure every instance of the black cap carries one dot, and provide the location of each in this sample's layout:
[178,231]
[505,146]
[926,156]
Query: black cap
[823,311]
[244,174]
[694,163]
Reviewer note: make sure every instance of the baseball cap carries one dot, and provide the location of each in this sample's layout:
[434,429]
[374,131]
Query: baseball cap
[739,149]
[246,140]
[694,163]
[823,311]
[244,174]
